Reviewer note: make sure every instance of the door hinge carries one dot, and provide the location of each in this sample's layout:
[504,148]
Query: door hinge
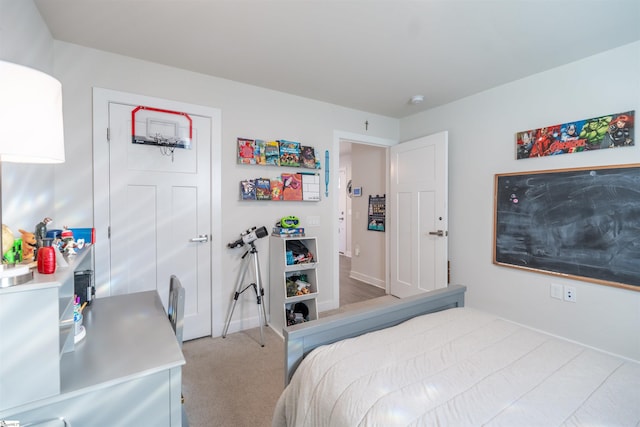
[109,232]
[108,135]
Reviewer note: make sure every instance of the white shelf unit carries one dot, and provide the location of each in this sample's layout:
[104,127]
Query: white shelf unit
[280,271]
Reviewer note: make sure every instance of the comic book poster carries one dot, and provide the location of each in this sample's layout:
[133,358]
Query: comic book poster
[610,131]
[291,186]
[246,151]
[276,189]
[247,189]
[307,157]
[272,153]
[289,153]
[263,189]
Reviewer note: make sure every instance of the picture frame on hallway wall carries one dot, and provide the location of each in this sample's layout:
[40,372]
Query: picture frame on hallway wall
[577,223]
[608,131]
[376,213]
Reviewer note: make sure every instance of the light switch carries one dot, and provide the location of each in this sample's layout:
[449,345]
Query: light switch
[313,221]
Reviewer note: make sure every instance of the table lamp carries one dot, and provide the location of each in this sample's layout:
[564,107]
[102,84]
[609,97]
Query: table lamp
[31,131]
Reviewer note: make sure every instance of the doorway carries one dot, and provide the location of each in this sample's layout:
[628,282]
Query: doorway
[433,237]
[361,252]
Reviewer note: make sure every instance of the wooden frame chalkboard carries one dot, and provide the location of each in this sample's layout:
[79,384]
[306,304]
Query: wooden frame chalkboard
[581,223]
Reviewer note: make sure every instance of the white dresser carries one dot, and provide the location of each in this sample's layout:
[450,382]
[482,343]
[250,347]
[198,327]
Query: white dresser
[127,371]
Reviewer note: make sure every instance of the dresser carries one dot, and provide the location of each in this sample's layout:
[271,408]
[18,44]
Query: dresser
[126,371]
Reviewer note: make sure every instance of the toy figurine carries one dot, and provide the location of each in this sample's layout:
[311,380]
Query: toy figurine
[7,239]
[68,245]
[41,233]
[28,245]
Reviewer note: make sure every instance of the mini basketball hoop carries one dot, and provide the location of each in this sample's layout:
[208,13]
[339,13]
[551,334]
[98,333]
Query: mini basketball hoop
[165,129]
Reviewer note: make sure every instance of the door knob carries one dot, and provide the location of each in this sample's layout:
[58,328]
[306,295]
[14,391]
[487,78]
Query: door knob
[440,233]
[200,239]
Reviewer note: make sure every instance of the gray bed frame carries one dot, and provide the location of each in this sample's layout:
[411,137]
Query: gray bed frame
[300,339]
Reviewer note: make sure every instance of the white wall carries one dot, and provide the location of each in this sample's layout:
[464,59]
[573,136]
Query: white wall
[247,111]
[27,193]
[482,143]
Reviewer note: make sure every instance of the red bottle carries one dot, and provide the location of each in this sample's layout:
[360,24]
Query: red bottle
[46,258]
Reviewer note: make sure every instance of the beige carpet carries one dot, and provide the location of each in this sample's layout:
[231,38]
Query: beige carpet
[233,381]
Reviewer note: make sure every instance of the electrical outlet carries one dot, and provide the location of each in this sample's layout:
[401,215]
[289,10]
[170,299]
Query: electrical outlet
[556,291]
[570,294]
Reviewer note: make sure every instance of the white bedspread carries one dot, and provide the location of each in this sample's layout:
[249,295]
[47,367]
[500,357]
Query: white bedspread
[460,367]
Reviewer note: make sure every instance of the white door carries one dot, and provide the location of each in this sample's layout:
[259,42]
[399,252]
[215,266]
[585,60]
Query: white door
[160,206]
[417,210]
[342,212]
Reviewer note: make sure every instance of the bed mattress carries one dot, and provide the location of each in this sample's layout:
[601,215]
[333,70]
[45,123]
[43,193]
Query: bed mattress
[460,367]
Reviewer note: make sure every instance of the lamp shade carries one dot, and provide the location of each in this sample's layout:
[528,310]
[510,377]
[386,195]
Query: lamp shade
[31,129]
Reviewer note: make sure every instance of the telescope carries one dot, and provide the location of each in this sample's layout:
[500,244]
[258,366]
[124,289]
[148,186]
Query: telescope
[249,236]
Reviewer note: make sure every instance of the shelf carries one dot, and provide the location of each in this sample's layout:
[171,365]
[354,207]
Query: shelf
[297,298]
[289,187]
[291,306]
[301,267]
[280,303]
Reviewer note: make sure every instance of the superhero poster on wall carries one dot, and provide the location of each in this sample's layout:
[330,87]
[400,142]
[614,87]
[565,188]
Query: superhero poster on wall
[610,131]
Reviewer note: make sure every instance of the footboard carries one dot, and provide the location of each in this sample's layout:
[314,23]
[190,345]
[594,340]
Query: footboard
[301,339]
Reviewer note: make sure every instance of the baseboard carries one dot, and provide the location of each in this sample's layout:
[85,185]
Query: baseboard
[368,279]
[326,306]
[244,324]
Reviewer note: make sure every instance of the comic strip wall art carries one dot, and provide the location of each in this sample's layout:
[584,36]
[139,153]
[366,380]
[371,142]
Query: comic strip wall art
[610,131]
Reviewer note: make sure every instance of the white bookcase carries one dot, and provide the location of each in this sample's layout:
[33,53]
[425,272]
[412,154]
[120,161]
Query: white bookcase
[284,303]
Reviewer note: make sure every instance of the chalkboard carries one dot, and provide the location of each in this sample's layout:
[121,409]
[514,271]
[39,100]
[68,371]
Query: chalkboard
[581,223]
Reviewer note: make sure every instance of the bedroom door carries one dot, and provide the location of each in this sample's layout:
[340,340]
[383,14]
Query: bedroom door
[417,211]
[159,205]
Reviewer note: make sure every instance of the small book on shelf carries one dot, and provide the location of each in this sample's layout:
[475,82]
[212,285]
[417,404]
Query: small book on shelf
[260,153]
[276,189]
[310,186]
[292,186]
[263,189]
[289,153]
[308,157]
[272,153]
[246,151]
[247,189]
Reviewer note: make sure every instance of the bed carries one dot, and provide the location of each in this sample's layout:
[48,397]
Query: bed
[455,366]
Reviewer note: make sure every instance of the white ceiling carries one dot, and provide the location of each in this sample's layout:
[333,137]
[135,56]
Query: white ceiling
[371,55]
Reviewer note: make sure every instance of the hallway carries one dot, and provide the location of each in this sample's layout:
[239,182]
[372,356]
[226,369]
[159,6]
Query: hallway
[352,290]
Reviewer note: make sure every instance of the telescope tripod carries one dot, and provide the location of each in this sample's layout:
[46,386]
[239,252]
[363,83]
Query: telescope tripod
[249,257]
